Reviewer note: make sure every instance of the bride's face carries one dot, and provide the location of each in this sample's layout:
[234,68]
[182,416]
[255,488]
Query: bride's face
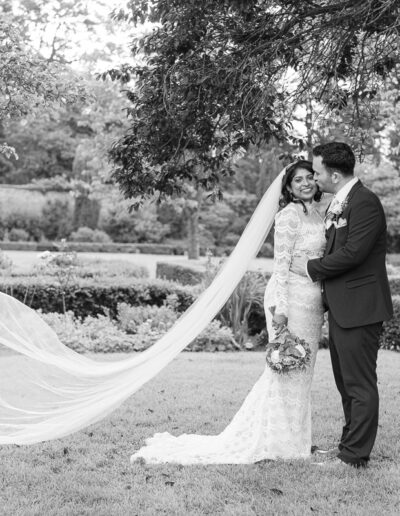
[303,185]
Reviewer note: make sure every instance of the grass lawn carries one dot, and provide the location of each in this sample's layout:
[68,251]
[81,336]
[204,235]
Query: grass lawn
[89,472]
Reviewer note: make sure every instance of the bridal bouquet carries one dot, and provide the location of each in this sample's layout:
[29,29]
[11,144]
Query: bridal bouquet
[288,353]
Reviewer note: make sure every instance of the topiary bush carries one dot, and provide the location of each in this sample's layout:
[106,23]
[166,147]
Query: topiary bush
[85,234]
[179,273]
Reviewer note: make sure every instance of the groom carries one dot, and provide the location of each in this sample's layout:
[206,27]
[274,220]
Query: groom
[355,290]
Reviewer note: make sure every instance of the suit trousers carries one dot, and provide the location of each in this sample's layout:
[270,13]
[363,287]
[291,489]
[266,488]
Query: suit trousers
[354,355]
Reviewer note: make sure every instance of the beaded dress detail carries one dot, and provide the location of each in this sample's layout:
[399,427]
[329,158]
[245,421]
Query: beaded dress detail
[274,421]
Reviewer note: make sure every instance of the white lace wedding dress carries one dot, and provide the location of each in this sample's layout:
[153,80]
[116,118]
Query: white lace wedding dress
[274,421]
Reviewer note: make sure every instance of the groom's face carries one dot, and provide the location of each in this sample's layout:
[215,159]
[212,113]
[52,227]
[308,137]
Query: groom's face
[322,177]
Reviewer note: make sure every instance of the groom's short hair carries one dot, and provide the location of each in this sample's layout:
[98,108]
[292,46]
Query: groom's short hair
[336,156]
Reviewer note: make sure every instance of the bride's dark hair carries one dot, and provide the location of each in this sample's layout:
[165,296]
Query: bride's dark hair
[286,195]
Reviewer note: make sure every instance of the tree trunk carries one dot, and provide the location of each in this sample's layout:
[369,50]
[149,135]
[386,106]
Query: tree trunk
[193,229]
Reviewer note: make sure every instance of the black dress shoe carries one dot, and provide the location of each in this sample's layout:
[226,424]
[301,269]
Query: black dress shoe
[328,452]
[338,463]
[333,463]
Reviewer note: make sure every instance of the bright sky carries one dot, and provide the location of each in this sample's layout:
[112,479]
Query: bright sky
[95,33]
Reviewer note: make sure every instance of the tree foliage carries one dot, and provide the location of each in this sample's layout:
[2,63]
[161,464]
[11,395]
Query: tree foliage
[66,140]
[38,41]
[209,79]
[27,81]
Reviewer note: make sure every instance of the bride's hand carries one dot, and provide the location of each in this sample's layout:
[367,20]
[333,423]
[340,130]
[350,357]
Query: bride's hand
[279,321]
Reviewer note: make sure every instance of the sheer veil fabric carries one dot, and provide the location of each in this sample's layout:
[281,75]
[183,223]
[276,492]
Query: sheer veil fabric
[48,391]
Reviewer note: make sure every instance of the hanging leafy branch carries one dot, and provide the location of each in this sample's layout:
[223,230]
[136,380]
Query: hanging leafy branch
[209,79]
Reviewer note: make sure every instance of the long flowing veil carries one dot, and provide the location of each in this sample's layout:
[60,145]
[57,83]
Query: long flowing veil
[48,391]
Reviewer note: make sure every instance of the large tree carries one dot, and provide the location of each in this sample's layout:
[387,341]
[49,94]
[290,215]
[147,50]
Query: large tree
[209,79]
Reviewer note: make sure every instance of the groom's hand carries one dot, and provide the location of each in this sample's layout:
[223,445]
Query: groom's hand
[299,265]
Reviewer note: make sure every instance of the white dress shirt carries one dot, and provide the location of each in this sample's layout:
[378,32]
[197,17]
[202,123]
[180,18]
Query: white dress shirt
[341,195]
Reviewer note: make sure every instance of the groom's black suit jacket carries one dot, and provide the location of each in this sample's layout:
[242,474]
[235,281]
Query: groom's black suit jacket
[353,269]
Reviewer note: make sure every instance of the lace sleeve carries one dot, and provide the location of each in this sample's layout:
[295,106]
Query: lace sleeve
[287,224]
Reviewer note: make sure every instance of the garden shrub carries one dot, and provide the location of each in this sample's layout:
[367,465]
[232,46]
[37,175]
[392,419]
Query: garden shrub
[390,338]
[94,334]
[394,282]
[245,305]
[214,337]
[179,273]
[17,235]
[101,334]
[139,226]
[130,318]
[393,242]
[85,234]
[21,221]
[56,217]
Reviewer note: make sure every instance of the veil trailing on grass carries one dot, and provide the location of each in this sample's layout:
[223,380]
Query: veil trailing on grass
[48,391]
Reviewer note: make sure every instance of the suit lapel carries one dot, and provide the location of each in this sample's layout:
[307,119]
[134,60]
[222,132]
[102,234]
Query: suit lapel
[332,230]
[330,239]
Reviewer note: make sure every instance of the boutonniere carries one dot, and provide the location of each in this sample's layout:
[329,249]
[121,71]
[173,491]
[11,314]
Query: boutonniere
[339,223]
[334,213]
[339,208]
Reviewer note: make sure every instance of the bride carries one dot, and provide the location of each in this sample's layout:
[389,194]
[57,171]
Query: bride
[48,391]
[275,418]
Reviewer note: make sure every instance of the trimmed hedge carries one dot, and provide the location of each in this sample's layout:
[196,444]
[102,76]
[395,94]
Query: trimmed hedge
[266,250]
[179,273]
[95,247]
[88,299]
[115,247]
[390,338]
